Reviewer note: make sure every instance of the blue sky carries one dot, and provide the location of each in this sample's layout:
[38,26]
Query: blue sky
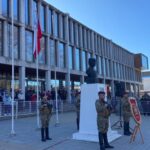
[126,22]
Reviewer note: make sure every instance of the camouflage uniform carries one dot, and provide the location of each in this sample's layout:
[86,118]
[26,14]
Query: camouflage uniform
[102,116]
[78,110]
[45,114]
[103,113]
[126,110]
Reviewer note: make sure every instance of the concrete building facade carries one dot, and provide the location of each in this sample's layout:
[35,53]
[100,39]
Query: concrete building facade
[66,45]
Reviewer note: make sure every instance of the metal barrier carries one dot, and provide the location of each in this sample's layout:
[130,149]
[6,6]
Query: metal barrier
[30,107]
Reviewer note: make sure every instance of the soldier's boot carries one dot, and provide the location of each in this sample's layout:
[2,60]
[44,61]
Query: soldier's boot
[107,145]
[101,141]
[77,120]
[47,134]
[42,135]
[126,131]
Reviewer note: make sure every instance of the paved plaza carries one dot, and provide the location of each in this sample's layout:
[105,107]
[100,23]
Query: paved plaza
[28,137]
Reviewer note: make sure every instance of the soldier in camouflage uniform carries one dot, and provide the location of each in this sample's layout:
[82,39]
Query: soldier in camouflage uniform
[126,110]
[77,104]
[45,114]
[103,112]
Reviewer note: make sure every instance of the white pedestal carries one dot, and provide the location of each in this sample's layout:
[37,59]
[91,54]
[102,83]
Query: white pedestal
[88,124]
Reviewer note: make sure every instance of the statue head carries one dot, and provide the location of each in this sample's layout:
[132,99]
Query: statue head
[92,62]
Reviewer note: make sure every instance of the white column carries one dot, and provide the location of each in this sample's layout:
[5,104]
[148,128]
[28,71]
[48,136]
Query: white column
[67,59]
[82,79]
[112,88]
[48,80]
[22,79]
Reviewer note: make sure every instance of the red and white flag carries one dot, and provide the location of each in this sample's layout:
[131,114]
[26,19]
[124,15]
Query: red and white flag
[37,37]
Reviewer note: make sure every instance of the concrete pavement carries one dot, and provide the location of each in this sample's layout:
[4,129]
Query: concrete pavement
[28,137]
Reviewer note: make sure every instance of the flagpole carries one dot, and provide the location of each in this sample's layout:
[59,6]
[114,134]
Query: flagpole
[37,77]
[12,82]
[56,97]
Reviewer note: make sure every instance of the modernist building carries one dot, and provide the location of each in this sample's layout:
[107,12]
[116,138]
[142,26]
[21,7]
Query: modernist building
[66,45]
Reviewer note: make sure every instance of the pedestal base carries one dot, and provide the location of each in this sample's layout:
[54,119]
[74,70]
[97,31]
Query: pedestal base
[112,135]
[88,126]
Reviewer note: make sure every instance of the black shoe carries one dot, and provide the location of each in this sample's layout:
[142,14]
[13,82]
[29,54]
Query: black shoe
[108,146]
[48,138]
[43,140]
[127,134]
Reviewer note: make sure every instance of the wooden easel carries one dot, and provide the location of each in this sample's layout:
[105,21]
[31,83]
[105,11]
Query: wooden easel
[135,131]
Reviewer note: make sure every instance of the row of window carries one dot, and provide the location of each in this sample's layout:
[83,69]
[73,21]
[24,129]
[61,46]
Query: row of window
[79,35]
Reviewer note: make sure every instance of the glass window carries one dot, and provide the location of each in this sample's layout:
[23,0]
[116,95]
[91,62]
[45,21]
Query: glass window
[84,60]
[77,34]
[29,46]
[52,53]
[77,53]
[56,32]
[16,9]
[42,53]
[74,33]
[27,12]
[144,62]
[61,50]
[1,40]
[16,41]
[62,35]
[50,22]
[104,66]
[34,13]
[5,7]
[70,51]
[100,65]
[83,42]
[43,18]
[70,32]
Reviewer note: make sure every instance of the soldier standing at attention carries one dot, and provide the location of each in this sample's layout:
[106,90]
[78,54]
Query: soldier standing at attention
[103,113]
[126,110]
[45,114]
[77,104]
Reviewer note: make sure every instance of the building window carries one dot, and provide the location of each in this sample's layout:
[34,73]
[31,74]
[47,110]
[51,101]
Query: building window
[74,33]
[16,9]
[52,53]
[77,34]
[1,40]
[5,8]
[77,56]
[16,41]
[29,45]
[70,59]
[56,24]
[62,27]
[34,13]
[43,25]
[50,21]
[83,42]
[70,31]
[100,65]
[42,54]
[61,50]
[26,12]
[84,61]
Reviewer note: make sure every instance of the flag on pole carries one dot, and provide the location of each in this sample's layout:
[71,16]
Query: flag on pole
[37,37]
